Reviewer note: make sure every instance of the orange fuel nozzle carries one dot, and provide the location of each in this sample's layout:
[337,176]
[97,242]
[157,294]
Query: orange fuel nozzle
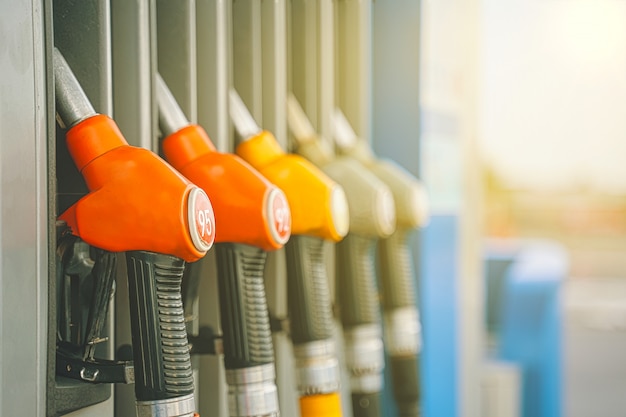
[253,217]
[318,205]
[136,200]
[248,208]
[139,205]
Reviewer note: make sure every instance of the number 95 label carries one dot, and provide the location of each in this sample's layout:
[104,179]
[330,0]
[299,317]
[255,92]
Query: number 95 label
[201,220]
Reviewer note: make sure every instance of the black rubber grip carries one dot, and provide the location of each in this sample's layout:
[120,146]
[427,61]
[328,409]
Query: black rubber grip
[406,386]
[308,301]
[396,272]
[103,272]
[366,404]
[160,347]
[357,294]
[190,291]
[247,336]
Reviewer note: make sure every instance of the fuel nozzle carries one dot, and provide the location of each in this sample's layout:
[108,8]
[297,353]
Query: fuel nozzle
[256,211]
[137,178]
[140,205]
[254,217]
[402,325]
[304,185]
[319,213]
[408,192]
[372,216]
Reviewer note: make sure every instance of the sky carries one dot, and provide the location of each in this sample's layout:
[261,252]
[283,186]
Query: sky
[552,92]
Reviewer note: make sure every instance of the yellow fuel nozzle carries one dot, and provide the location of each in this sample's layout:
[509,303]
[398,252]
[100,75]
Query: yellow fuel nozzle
[319,212]
[318,204]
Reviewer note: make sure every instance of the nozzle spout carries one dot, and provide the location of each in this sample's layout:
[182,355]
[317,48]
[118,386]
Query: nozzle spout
[298,122]
[245,125]
[171,116]
[72,104]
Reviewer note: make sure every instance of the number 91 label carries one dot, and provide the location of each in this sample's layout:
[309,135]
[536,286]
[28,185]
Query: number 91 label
[201,220]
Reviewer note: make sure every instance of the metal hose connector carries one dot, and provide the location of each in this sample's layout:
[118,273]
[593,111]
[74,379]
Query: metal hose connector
[172,407]
[402,331]
[317,367]
[252,391]
[365,357]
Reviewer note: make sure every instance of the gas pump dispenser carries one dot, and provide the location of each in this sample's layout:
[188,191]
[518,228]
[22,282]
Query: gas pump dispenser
[372,216]
[399,303]
[319,212]
[254,217]
[139,205]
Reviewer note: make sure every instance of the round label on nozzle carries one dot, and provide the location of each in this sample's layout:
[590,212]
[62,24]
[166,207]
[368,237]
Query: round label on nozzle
[339,210]
[386,210]
[201,220]
[419,206]
[279,216]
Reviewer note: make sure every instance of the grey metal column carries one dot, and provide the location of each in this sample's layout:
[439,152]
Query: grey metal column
[25,126]
[247,54]
[354,63]
[134,58]
[176,44]
[273,70]
[82,33]
[396,89]
[274,67]
[312,60]
[213,66]
[214,63]
[134,64]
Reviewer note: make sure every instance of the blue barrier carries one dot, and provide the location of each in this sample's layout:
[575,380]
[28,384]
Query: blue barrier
[529,329]
[439,314]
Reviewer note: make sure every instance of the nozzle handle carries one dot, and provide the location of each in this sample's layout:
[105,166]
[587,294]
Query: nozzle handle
[356,285]
[245,321]
[160,348]
[396,271]
[402,335]
[307,289]
[72,103]
[406,384]
[104,271]
[366,404]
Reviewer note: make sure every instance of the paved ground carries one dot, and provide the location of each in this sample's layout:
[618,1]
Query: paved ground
[592,228]
[594,326]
